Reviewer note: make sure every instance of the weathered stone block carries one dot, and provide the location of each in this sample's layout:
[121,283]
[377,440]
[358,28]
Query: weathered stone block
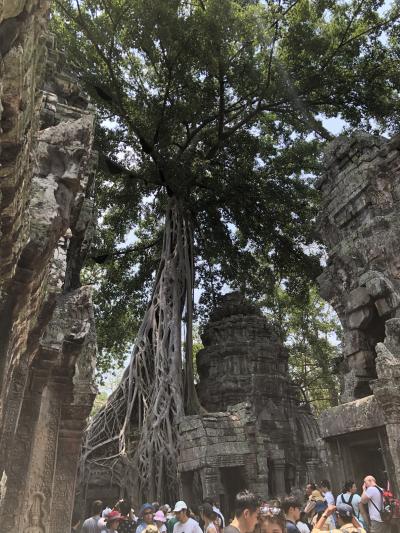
[361,318]
[358,298]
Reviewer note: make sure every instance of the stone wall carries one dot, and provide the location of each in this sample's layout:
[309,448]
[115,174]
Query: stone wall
[360,225]
[47,335]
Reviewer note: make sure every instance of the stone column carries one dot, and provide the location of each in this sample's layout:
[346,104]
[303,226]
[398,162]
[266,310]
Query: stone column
[20,454]
[211,481]
[75,409]
[387,393]
[38,481]
[261,486]
[68,449]
[279,476]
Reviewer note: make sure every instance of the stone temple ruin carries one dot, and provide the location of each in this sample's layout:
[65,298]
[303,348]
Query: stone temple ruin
[47,336]
[360,225]
[255,434]
[253,431]
[252,434]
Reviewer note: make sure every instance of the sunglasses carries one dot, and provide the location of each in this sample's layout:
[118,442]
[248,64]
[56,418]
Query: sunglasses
[147,513]
[270,510]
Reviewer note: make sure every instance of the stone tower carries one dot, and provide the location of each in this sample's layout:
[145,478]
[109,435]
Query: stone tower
[242,359]
[255,434]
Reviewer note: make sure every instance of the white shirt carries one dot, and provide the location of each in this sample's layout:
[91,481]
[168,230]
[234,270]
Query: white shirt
[190,526]
[374,496]
[91,525]
[328,497]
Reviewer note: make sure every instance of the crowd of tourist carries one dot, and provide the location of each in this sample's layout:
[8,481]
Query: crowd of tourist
[316,512]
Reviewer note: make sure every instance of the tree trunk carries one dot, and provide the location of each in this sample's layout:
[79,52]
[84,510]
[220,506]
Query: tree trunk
[150,399]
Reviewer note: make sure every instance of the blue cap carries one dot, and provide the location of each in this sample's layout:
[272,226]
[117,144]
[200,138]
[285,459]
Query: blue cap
[144,508]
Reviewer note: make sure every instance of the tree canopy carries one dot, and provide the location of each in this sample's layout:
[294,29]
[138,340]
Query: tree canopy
[220,104]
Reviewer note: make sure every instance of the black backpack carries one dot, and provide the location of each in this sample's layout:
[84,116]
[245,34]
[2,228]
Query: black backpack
[349,503]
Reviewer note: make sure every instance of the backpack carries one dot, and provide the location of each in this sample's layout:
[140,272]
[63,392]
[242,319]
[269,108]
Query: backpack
[386,513]
[349,503]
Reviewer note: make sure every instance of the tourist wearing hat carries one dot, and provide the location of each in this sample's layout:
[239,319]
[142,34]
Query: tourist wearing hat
[185,524]
[159,519]
[314,496]
[113,520]
[346,520]
[146,515]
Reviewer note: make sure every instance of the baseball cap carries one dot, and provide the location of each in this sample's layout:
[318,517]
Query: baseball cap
[345,510]
[179,506]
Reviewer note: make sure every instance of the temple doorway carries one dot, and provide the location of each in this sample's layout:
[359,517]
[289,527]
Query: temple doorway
[367,457]
[232,481]
[363,453]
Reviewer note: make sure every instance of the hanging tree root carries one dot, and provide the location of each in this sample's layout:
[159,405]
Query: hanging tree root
[153,393]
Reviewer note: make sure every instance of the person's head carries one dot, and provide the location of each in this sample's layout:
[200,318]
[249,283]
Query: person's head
[146,513]
[156,506]
[246,509]
[96,508]
[151,528]
[123,507]
[350,486]
[369,481]
[309,488]
[272,518]
[166,509]
[159,518]
[113,520]
[181,511]
[344,513]
[291,507]
[324,486]
[207,512]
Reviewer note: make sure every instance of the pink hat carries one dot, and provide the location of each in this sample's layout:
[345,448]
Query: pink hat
[114,515]
[159,517]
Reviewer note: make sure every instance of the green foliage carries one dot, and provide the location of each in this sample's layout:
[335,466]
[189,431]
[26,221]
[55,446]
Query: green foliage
[99,403]
[311,332]
[219,103]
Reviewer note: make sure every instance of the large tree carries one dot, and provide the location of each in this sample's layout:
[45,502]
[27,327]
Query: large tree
[210,115]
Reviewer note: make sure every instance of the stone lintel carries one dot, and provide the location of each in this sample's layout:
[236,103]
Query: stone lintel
[349,417]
